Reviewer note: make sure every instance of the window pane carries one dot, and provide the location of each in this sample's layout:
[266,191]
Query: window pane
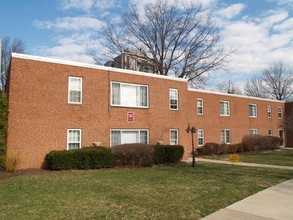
[227,137]
[222,134]
[252,110]
[74,136]
[128,137]
[200,138]
[173,137]
[224,108]
[75,96]
[115,93]
[75,84]
[72,146]
[269,111]
[279,112]
[115,138]
[143,137]
[173,94]
[75,90]
[129,95]
[143,96]
[74,139]
[200,106]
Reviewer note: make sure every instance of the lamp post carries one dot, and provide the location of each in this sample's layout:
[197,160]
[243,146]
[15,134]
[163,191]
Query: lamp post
[192,131]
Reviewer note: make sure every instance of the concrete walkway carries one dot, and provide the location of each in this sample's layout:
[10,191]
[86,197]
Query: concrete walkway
[274,203]
[241,163]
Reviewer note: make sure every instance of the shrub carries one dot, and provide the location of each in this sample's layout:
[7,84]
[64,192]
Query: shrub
[135,155]
[12,161]
[168,153]
[3,129]
[84,158]
[259,142]
[234,158]
[210,148]
[234,148]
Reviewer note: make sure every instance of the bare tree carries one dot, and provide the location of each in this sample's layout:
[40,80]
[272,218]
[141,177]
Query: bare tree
[279,81]
[255,87]
[7,48]
[228,87]
[274,82]
[181,41]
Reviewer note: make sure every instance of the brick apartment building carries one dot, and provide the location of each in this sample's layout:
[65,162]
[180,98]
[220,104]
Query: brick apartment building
[57,105]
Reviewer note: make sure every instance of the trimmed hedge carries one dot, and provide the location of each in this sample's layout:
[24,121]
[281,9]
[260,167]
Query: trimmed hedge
[259,142]
[135,155]
[249,143]
[84,158]
[168,153]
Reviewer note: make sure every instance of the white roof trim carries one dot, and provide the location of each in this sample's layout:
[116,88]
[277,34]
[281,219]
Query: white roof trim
[93,66]
[234,95]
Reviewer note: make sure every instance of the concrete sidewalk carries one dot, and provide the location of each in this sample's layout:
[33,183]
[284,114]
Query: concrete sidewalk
[273,203]
[240,163]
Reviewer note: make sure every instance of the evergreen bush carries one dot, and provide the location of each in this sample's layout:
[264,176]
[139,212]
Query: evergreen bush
[84,158]
[3,129]
[168,153]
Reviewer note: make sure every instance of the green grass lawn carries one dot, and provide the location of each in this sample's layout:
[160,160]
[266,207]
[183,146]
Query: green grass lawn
[175,192]
[279,157]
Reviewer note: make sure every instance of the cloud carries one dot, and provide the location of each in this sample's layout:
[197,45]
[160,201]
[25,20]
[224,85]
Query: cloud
[72,47]
[88,5]
[259,41]
[287,3]
[77,4]
[231,11]
[70,23]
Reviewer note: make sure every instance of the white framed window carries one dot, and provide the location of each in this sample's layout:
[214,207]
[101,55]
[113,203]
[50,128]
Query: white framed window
[269,108]
[280,112]
[73,139]
[252,110]
[174,136]
[200,137]
[224,108]
[74,90]
[199,106]
[225,136]
[173,97]
[129,95]
[270,132]
[253,131]
[129,136]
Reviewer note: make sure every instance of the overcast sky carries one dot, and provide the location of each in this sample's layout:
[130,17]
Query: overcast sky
[259,31]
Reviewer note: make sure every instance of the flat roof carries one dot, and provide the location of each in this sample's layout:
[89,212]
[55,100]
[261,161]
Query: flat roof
[93,66]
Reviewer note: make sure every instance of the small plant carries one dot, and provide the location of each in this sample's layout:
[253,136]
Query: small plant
[12,161]
[234,158]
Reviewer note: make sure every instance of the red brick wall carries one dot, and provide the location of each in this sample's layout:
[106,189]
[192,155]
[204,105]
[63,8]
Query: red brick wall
[39,114]
[289,131]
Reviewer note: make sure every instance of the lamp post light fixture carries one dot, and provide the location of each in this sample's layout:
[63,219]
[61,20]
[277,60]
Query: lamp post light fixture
[192,130]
